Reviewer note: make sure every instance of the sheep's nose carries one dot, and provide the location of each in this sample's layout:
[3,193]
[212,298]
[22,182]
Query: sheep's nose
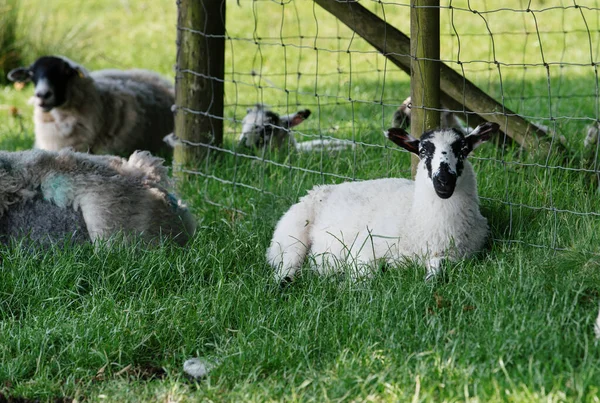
[445,179]
[43,94]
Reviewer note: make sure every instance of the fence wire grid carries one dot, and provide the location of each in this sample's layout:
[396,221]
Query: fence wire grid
[538,58]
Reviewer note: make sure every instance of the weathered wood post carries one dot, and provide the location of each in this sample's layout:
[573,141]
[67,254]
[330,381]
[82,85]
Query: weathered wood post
[424,68]
[459,94]
[199,78]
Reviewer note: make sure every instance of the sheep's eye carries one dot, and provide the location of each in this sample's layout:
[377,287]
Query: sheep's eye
[460,149]
[427,149]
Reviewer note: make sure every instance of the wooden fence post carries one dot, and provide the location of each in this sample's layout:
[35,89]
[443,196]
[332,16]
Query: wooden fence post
[458,93]
[424,68]
[199,79]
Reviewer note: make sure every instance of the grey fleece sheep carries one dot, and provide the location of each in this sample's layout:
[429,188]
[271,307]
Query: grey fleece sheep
[50,196]
[103,112]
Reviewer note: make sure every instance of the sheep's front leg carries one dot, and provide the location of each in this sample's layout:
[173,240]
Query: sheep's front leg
[433,266]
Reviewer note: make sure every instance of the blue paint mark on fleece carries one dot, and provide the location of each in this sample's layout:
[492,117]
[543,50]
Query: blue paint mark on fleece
[58,190]
[173,202]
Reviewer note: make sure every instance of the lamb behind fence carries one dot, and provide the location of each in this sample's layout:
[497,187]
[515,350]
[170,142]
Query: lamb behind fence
[509,65]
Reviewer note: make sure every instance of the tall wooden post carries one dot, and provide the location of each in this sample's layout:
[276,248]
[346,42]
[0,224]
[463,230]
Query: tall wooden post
[424,68]
[199,78]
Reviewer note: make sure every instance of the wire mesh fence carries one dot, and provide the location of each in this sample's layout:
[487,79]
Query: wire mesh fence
[537,59]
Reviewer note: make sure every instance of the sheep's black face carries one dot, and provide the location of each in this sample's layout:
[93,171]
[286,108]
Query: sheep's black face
[51,76]
[443,152]
[261,125]
[401,117]
[258,127]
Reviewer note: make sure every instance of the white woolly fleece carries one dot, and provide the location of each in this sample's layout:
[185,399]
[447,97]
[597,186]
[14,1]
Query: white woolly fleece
[356,224]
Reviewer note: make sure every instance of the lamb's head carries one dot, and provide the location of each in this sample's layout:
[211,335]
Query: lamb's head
[443,153]
[51,76]
[261,125]
[401,116]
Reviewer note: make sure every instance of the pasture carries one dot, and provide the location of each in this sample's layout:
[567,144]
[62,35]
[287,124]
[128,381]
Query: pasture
[513,324]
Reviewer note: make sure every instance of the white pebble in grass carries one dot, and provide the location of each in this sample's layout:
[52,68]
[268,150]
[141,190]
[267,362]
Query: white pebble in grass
[597,326]
[196,368]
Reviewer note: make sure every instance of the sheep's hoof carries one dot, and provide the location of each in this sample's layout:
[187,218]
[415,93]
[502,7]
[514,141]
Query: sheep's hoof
[285,282]
[431,275]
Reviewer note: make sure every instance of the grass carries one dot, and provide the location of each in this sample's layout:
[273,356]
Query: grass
[9,52]
[513,324]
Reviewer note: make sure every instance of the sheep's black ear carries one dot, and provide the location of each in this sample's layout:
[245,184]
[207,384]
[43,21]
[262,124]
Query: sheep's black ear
[401,138]
[71,71]
[295,118]
[79,72]
[480,135]
[20,75]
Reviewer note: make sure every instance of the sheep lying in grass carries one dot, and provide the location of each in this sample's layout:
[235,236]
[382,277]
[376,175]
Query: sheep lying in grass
[103,112]
[435,217]
[50,196]
[591,137]
[448,120]
[261,127]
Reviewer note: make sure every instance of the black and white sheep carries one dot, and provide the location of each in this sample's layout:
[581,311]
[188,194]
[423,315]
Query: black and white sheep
[103,112]
[52,196]
[448,120]
[261,127]
[357,224]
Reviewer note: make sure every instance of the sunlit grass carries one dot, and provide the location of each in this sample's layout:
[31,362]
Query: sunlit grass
[515,323]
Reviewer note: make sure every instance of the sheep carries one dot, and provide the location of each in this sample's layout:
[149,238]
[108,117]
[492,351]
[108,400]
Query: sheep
[401,118]
[591,137]
[261,127]
[52,196]
[103,112]
[436,217]
[597,327]
[448,119]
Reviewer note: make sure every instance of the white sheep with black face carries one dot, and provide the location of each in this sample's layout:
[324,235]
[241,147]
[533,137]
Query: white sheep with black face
[357,224]
[448,119]
[261,127]
[103,112]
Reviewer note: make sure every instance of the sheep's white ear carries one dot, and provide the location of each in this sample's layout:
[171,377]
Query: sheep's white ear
[20,75]
[401,138]
[481,134]
[295,118]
